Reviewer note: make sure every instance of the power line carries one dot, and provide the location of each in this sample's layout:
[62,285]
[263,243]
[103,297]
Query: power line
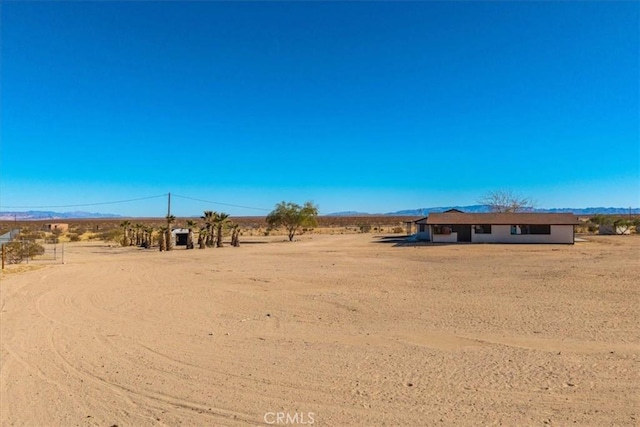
[220,203]
[84,204]
[135,200]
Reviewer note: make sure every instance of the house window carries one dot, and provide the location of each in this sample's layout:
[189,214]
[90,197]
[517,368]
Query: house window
[441,229]
[482,229]
[531,229]
[539,229]
[422,228]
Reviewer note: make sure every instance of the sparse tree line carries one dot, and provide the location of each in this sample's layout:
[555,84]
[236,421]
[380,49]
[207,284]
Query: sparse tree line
[214,226]
[210,233]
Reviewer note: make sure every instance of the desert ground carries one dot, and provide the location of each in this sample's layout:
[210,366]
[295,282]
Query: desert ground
[329,330]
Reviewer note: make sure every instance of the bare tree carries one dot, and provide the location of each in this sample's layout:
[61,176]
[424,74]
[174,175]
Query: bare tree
[506,201]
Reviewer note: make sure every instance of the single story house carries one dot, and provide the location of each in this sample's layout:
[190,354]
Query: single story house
[56,226]
[423,227]
[451,227]
[422,232]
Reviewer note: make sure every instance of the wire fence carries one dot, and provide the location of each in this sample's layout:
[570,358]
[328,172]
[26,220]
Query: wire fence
[32,251]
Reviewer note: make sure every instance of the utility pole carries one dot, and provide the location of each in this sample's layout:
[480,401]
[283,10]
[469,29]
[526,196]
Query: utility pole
[169,205]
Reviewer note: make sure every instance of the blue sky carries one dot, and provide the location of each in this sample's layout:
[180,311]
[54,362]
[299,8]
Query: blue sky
[367,106]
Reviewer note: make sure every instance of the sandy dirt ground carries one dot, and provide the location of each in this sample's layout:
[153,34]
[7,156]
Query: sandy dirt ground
[329,331]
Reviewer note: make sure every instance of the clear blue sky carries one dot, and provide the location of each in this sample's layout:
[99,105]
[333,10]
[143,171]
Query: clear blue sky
[367,106]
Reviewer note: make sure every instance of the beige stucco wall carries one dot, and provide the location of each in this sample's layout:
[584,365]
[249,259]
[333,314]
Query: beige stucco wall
[445,238]
[502,234]
[57,226]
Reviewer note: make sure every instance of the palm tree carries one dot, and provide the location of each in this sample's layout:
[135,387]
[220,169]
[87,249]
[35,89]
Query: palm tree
[209,219]
[235,234]
[191,224]
[202,237]
[169,238]
[148,237]
[221,220]
[138,233]
[125,239]
[162,239]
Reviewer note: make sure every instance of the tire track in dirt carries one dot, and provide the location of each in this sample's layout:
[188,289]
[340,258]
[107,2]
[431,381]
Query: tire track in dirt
[358,332]
[129,393]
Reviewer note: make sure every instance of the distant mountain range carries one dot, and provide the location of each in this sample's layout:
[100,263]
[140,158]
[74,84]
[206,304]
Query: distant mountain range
[483,208]
[44,215]
[40,215]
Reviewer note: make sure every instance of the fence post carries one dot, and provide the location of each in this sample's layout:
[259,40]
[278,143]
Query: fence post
[4,254]
[63,253]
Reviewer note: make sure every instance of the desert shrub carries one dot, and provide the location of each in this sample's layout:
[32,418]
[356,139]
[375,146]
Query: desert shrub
[80,229]
[113,235]
[54,237]
[365,228]
[74,237]
[32,234]
[398,230]
[16,252]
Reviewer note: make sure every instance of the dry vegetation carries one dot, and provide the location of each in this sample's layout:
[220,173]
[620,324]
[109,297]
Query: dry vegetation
[109,229]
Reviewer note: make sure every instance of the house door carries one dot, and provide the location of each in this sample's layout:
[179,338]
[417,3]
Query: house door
[464,232]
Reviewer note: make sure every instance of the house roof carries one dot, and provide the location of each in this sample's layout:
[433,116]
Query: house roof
[450,218]
[424,220]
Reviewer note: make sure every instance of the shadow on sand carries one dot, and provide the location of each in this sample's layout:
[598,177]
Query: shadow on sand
[405,240]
